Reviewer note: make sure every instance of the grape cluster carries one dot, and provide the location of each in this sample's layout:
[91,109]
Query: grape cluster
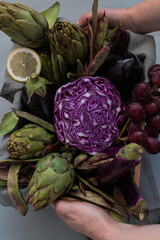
[144,112]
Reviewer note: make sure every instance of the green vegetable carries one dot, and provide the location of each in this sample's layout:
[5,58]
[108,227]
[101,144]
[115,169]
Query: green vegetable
[53,177]
[28,142]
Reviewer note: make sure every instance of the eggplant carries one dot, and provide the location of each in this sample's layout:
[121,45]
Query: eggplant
[138,206]
[125,159]
[124,71]
[111,151]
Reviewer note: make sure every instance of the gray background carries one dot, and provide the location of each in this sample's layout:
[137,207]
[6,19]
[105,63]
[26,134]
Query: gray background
[45,224]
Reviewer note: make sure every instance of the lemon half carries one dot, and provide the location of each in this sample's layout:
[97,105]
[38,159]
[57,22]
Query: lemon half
[22,62]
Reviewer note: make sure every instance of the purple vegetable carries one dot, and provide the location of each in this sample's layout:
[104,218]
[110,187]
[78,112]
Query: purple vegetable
[111,151]
[124,71]
[138,206]
[88,113]
[38,106]
[125,159]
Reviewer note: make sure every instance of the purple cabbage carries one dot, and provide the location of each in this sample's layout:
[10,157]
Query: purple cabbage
[88,114]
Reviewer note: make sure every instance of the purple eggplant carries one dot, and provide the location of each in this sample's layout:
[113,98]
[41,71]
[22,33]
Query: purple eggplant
[111,151]
[125,159]
[138,206]
[124,71]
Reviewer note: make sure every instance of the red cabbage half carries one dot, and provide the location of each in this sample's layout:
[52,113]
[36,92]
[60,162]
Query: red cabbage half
[88,113]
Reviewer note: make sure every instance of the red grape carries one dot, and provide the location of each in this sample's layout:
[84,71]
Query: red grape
[151,107]
[154,122]
[133,126]
[151,132]
[157,100]
[138,136]
[154,74]
[152,145]
[136,112]
[141,91]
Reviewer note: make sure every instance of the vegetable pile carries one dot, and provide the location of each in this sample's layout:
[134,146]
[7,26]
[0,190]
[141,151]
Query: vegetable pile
[85,119]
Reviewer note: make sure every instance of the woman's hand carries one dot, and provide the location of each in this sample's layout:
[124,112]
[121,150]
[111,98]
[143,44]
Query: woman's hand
[115,17]
[141,18]
[86,218]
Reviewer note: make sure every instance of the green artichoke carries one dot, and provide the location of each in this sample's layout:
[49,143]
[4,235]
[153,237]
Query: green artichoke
[69,41]
[46,64]
[23,24]
[53,177]
[69,49]
[29,142]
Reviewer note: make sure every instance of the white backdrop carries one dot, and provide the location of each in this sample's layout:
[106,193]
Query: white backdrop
[45,224]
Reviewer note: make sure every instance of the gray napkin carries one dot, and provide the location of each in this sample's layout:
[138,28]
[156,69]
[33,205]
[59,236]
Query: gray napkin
[144,47]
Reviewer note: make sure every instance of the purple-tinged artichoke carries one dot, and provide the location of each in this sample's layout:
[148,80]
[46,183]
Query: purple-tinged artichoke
[88,114]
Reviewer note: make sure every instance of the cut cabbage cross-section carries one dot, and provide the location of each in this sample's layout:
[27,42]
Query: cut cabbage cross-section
[88,114]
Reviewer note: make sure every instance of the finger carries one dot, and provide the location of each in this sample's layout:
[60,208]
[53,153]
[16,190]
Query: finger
[62,208]
[82,21]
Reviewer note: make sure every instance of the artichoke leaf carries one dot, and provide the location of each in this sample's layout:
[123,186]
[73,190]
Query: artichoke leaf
[51,14]
[9,122]
[36,84]
[18,14]
[62,68]
[24,7]
[34,119]
[14,191]
[56,70]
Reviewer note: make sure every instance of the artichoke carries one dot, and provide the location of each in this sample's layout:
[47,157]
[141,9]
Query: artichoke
[53,177]
[29,142]
[23,24]
[69,41]
[46,64]
[69,49]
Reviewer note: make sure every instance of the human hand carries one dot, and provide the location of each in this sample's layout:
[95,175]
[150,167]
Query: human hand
[115,17]
[86,218]
[141,18]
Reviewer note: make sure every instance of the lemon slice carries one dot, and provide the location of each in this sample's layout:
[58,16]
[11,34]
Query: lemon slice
[22,62]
